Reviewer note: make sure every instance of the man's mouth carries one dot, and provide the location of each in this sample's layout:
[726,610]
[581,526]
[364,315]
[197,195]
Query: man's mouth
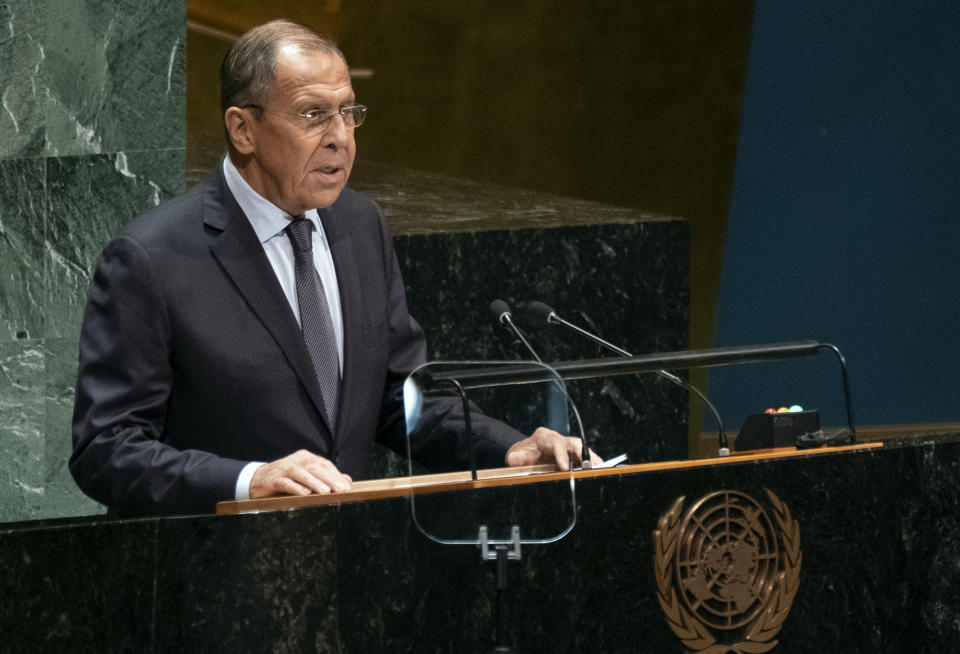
[329,170]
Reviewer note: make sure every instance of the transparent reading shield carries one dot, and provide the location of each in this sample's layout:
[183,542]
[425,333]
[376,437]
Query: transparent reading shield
[461,417]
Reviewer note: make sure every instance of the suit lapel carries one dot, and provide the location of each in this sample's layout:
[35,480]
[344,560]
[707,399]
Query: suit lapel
[241,255]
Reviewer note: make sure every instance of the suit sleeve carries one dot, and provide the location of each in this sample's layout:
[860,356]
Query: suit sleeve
[441,444]
[124,382]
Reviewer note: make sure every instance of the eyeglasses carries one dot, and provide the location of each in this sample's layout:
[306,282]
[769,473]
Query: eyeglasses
[318,121]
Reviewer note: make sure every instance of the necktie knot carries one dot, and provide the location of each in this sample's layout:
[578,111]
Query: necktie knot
[300,233]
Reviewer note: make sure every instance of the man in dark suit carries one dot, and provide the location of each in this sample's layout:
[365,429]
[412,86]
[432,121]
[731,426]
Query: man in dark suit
[215,361]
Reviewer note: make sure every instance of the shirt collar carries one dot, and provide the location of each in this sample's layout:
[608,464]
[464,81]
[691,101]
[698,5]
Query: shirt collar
[267,219]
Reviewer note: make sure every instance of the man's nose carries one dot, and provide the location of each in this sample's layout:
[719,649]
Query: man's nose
[337,134]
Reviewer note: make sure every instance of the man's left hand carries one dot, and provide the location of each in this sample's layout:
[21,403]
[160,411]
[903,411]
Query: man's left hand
[548,446]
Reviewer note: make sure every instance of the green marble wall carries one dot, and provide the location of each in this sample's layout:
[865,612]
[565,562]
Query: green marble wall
[91,134]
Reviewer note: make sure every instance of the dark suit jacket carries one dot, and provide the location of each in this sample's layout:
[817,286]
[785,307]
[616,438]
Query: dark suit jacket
[192,363]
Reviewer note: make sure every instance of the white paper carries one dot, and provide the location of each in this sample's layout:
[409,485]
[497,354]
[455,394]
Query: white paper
[610,463]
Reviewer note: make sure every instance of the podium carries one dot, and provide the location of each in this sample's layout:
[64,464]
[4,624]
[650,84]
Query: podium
[878,526]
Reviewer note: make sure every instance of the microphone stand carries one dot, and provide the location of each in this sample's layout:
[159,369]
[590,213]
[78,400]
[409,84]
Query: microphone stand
[502,643]
[501,311]
[539,308]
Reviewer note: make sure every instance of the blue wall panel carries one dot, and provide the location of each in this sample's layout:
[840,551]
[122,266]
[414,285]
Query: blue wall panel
[845,215]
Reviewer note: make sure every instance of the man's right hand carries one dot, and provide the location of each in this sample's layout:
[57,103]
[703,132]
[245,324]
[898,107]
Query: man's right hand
[300,473]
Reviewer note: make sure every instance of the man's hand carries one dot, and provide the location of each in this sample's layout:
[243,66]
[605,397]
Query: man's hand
[301,473]
[546,446]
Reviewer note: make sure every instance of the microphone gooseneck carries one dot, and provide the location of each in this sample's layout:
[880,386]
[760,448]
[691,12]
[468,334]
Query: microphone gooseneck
[501,312]
[541,312]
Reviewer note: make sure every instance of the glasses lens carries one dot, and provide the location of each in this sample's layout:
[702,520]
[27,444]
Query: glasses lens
[354,116]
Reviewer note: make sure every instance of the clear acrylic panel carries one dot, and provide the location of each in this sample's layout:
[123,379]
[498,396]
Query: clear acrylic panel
[498,399]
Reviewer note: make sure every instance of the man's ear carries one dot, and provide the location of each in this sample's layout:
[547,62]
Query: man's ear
[238,124]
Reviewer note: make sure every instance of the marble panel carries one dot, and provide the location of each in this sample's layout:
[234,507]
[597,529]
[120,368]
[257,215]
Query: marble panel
[235,600]
[420,202]
[22,78]
[61,496]
[21,429]
[78,587]
[382,551]
[627,282]
[22,204]
[91,199]
[116,76]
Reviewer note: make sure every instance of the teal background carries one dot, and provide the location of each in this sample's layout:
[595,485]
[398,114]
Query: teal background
[845,213]
[91,134]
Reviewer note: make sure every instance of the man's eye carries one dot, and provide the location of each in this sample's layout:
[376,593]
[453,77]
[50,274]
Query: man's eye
[315,115]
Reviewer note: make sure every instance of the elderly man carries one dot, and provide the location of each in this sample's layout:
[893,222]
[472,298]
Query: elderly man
[251,337]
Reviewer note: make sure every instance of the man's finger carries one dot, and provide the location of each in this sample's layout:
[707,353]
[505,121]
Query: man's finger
[307,478]
[561,452]
[524,453]
[286,486]
[595,458]
[300,473]
[328,475]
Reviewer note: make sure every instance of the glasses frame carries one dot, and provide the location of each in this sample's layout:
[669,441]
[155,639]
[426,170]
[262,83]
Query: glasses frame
[321,124]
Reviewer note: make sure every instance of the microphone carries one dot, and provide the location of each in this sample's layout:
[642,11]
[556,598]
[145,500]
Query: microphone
[501,312]
[542,312]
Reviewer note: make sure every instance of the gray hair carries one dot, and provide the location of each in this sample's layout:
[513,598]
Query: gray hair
[250,67]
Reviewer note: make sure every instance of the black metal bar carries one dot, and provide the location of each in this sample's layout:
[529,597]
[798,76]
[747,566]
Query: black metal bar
[471,457]
[588,368]
[502,645]
[723,448]
[846,388]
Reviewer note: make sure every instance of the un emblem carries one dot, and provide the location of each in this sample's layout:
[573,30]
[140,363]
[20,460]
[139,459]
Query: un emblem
[727,570]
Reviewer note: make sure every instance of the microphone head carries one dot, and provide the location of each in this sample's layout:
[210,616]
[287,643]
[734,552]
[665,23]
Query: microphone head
[539,311]
[500,310]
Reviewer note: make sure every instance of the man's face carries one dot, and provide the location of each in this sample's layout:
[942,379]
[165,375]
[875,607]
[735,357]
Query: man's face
[296,167]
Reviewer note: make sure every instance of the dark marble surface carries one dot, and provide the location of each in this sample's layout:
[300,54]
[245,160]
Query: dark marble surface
[879,534]
[418,202]
[294,612]
[91,588]
[627,282]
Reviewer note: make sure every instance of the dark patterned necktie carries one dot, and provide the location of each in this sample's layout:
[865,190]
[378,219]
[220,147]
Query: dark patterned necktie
[315,320]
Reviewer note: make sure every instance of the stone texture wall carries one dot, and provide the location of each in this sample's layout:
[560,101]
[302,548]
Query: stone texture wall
[91,134]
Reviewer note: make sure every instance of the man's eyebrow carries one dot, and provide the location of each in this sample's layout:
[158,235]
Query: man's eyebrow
[313,105]
[325,105]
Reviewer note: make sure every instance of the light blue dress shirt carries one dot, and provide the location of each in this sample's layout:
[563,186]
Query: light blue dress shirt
[268,222]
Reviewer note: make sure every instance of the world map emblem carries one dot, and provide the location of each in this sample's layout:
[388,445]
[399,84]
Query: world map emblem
[727,571]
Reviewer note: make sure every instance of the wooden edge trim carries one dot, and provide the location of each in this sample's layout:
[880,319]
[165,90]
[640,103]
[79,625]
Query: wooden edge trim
[456,481]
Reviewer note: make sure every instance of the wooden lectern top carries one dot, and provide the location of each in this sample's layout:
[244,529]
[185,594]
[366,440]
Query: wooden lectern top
[374,489]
